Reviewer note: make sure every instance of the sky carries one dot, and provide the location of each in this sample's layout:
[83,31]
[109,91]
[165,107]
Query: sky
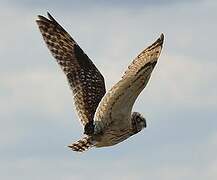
[37,115]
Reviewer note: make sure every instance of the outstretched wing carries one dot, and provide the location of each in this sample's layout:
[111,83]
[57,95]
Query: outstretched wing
[117,104]
[85,80]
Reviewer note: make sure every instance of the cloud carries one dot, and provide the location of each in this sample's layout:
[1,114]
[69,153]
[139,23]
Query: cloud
[37,116]
[184,82]
[165,163]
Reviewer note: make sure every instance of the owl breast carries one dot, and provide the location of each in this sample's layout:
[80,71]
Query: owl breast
[115,133]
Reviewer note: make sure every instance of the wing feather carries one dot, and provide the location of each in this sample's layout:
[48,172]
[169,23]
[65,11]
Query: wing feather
[116,105]
[85,80]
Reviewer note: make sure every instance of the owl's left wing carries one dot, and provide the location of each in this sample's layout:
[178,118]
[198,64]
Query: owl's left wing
[117,104]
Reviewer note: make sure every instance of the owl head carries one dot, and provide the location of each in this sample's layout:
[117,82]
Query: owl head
[138,122]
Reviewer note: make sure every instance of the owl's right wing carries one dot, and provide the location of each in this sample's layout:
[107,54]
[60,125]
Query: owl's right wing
[117,104]
[85,80]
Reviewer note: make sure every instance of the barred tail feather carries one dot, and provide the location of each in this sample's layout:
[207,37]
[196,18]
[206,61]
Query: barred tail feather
[83,144]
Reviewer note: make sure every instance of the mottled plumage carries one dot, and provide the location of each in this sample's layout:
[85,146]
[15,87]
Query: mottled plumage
[84,78]
[107,118]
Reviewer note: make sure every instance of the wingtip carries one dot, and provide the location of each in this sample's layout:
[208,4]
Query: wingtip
[40,17]
[162,37]
[49,15]
[160,40]
[48,19]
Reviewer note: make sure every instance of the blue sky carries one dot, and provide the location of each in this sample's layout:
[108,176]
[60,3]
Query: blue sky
[37,116]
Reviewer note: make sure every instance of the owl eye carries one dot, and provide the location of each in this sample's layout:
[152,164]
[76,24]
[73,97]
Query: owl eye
[138,119]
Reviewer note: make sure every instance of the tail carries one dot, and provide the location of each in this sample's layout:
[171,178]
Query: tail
[83,144]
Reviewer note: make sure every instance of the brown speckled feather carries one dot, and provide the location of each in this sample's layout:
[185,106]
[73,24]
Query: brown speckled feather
[116,105]
[147,58]
[85,80]
[83,144]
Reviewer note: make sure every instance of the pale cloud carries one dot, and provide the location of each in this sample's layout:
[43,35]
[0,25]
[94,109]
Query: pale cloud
[183,81]
[37,114]
[38,89]
[198,163]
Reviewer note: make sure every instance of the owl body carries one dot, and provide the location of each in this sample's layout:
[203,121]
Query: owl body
[107,118]
[116,132]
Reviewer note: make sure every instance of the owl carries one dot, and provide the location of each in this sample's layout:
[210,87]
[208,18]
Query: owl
[107,117]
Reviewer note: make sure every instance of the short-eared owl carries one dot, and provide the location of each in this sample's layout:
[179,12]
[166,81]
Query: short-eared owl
[107,117]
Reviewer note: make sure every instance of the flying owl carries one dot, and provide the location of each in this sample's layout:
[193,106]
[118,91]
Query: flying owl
[107,117]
